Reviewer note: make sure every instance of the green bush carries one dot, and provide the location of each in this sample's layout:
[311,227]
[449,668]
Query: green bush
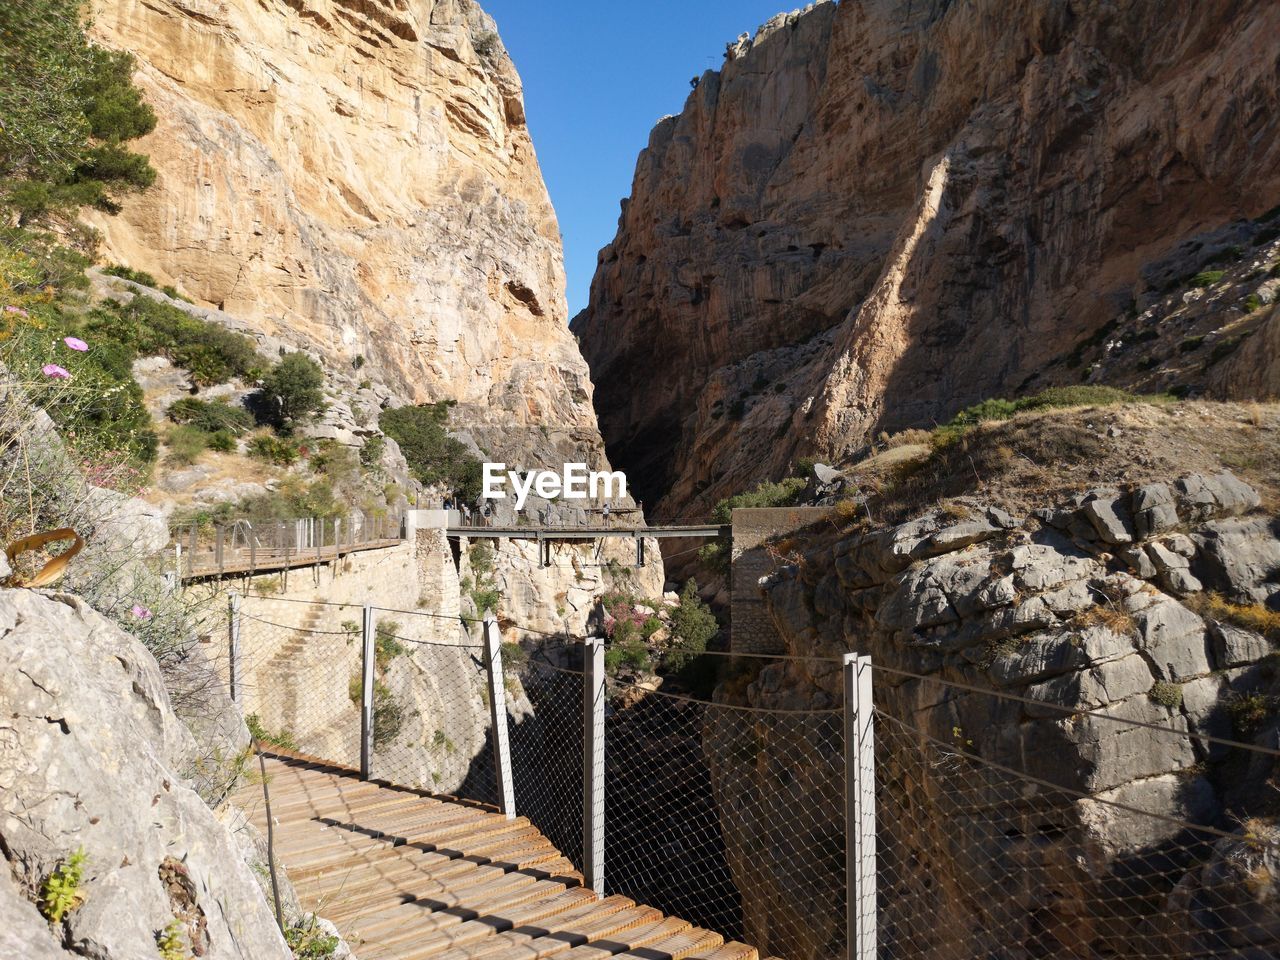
[782,494]
[1206,278]
[1252,302]
[371,452]
[211,417]
[1054,398]
[692,627]
[628,652]
[68,108]
[280,451]
[128,273]
[151,328]
[61,891]
[434,457]
[185,444]
[293,390]
[309,942]
[221,441]
[169,942]
[284,739]
[1166,694]
[386,643]
[388,715]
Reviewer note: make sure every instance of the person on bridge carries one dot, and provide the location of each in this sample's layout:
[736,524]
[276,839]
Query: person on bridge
[605,511]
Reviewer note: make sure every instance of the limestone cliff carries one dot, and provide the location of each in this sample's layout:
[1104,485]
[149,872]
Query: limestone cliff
[879,212]
[1032,618]
[358,179]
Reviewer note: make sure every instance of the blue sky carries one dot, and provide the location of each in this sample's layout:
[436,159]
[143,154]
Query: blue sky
[597,76]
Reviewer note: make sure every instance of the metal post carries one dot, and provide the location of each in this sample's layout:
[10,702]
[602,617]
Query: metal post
[498,716]
[639,551]
[366,694]
[860,813]
[320,540]
[233,638]
[218,547]
[593,764]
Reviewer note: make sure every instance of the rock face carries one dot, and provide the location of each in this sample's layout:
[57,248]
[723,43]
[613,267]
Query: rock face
[92,758]
[358,179]
[1095,605]
[851,227]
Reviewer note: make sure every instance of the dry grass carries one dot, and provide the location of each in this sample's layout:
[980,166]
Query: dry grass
[1106,615]
[1250,616]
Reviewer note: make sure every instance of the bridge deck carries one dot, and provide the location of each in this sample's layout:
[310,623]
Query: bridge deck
[239,560]
[590,533]
[409,876]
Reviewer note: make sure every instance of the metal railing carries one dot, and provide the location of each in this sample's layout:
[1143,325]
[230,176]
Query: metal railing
[789,802]
[249,547]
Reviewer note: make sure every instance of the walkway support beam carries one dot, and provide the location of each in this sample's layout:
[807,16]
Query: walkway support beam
[498,715]
[233,645]
[860,812]
[367,661]
[593,764]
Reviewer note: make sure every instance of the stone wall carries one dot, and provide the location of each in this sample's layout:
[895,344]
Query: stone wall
[753,629]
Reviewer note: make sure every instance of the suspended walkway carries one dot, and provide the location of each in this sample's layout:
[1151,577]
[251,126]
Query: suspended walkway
[408,876]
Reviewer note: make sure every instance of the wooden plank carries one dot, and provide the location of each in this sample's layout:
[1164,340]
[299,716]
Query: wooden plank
[627,940]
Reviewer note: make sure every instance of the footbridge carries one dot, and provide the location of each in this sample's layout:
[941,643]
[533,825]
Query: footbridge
[547,535]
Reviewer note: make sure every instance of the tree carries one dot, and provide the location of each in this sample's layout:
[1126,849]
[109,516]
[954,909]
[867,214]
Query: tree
[67,109]
[293,389]
[692,626]
[433,455]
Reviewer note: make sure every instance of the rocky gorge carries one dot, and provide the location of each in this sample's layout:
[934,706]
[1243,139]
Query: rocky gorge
[877,213]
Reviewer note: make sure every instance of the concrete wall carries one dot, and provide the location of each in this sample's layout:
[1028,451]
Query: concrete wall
[753,529]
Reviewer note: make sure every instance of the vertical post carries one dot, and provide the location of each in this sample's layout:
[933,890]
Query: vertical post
[860,813]
[218,548]
[320,540]
[593,764]
[639,551]
[233,644]
[253,552]
[366,694]
[498,716]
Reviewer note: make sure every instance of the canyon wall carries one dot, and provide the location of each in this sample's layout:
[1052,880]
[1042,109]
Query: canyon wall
[878,212]
[357,179]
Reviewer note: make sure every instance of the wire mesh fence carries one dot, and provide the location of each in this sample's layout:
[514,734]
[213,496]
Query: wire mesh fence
[294,677]
[1013,823]
[729,816]
[1021,828]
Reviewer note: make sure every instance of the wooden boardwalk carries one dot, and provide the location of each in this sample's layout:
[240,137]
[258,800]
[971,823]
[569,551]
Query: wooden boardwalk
[207,562]
[409,876]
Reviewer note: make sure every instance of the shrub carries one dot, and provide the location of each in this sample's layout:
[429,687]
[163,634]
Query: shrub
[486,44]
[309,942]
[169,942]
[628,652]
[293,389]
[371,452]
[433,456]
[1252,302]
[1250,712]
[1250,616]
[210,417]
[269,448]
[692,626]
[1053,398]
[128,273]
[284,739]
[782,494]
[1206,278]
[388,715]
[221,441]
[61,891]
[1190,344]
[151,328]
[1166,694]
[386,643]
[68,108]
[185,444]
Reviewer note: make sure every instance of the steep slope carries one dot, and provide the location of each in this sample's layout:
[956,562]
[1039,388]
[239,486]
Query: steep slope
[358,179]
[879,212]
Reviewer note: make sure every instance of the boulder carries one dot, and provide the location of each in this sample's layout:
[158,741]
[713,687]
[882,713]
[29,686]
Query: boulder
[93,761]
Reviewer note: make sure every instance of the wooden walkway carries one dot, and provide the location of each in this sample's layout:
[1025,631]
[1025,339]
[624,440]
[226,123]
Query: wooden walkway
[408,876]
[262,560]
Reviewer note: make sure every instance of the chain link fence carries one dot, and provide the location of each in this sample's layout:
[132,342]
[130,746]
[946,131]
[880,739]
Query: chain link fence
[759,797]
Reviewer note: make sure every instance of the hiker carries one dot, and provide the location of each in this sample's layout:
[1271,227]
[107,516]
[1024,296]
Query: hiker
[605,511]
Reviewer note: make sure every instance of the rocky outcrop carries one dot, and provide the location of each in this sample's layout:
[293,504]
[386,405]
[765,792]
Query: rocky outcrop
[357,179]
[994,634]
[851,228]
[92,759]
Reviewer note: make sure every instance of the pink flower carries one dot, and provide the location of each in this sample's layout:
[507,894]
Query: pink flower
[18,310]
[75,343]
[141,612]
[55,371]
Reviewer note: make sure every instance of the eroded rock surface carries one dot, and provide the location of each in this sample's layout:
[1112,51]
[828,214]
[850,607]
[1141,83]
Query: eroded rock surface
[92,758]
[877,213]
[1037,618]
